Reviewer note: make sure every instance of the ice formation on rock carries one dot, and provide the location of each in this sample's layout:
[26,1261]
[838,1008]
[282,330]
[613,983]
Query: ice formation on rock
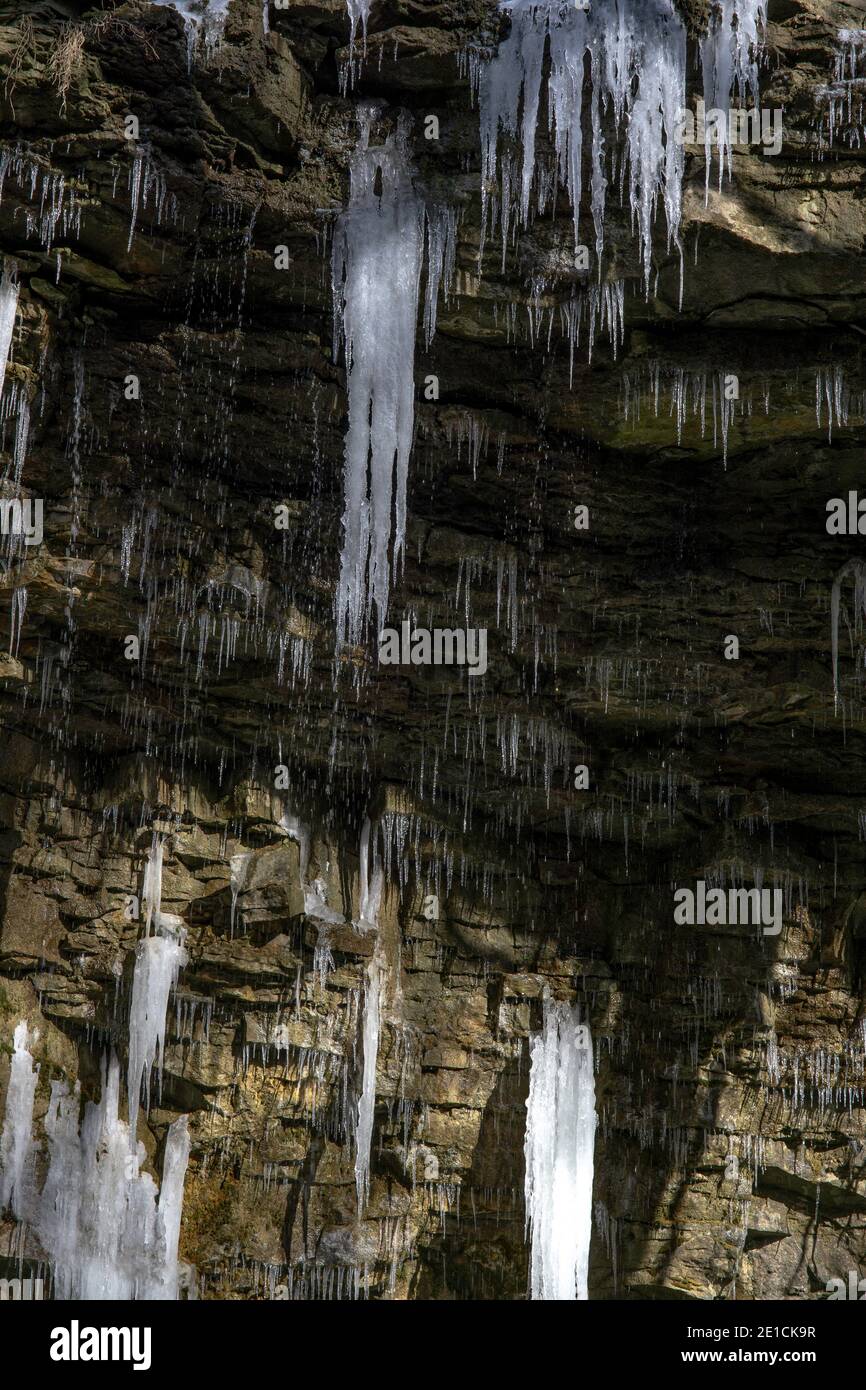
[359,13]
[729,56]
[636,52]
[158,962]
[108,1232]
[376,273]
[844,99]
[370,896]
[378,250]
[858,570]
[367,1099]
[8,310]
[16,1143]
[204,22]
[560,1138]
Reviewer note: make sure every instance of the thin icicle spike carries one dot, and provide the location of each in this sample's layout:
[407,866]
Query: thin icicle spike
[560,1138]
[637,71]
[8,310]
[729,54]
[367,1098]
[370,888]
[151,891]
[16,1143]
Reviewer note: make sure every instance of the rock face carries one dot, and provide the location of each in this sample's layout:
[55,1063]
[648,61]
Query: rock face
[180,390]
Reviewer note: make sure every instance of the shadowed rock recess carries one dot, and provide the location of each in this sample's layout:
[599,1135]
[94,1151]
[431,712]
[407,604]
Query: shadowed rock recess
[366,888]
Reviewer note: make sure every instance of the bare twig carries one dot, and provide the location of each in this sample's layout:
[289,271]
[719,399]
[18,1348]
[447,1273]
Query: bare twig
[23,44]
[65,60]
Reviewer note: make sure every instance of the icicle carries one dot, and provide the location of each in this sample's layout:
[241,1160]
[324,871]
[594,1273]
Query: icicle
[158,962]
[370,884]
[151,891]
[367,1099]
[174,1167]
[238,868]
[16,1144]
[359,14]
[560,1136]
[376,269]
[370,895]
[858,570]
[8,310]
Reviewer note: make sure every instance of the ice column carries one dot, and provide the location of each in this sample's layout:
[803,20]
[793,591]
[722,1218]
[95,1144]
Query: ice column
[16,1144]
[560,1135]
[238,869]
[159,959]
[8,310]
[376,268]
[158,962]
[636,50]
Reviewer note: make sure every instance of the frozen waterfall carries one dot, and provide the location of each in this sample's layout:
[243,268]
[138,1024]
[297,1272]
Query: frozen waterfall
[560,1135]
[108,1232]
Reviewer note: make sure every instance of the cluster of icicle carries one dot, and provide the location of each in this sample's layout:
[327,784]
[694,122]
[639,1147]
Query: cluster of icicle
[559,1146]
[843,98]
[729,56]
[107,1230]
[842,404]
[696,394]
[377,263]
[359,13]
[57,204]
[857,570]
[634,52]
[371,885]
[203,21]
